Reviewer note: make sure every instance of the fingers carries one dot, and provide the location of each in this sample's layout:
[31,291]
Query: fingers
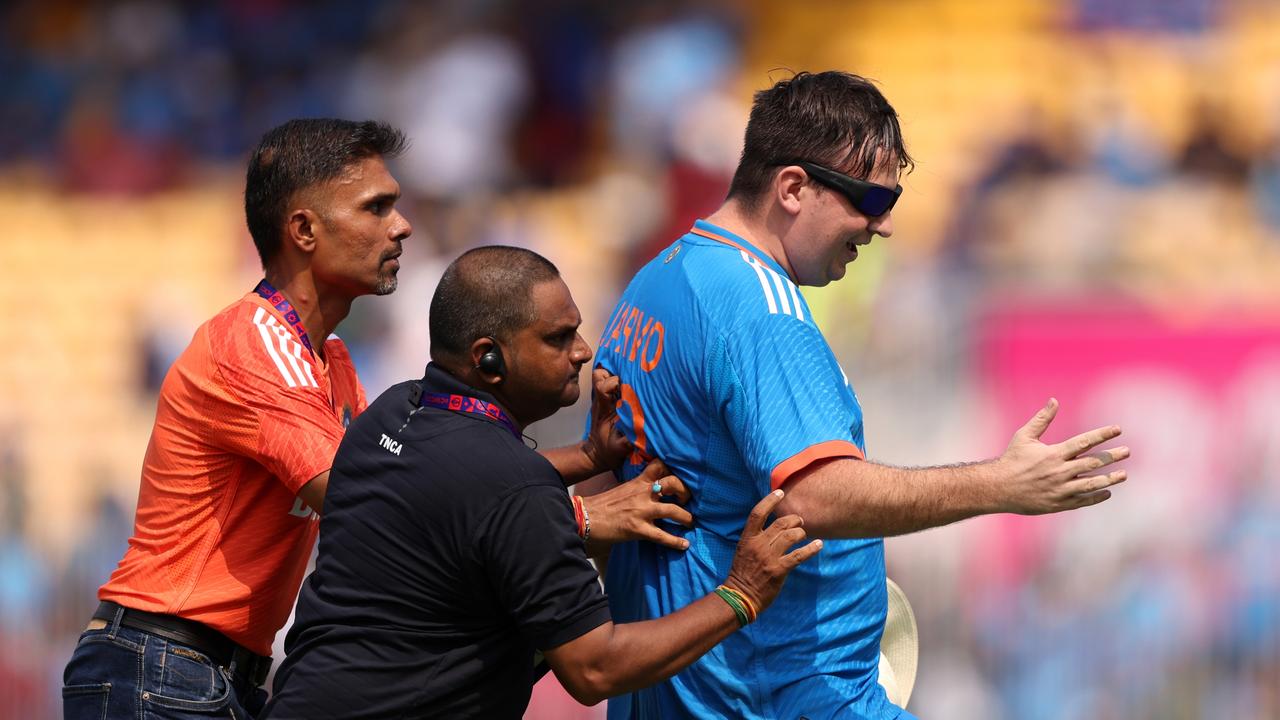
[787,538]
[802,553]
[786,522]
[1086,441]
[653,472]
[1039,422]
[656,472]
[755,520]
[673,512]
[1095,460]
[1088,499]
[605,383]
[655,535]
[1085,486]
[604,401]
[673,486]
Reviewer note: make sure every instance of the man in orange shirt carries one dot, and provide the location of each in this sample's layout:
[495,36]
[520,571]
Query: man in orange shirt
[248,420]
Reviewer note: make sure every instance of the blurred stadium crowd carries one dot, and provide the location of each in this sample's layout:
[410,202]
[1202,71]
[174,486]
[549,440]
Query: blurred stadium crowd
[1095,215]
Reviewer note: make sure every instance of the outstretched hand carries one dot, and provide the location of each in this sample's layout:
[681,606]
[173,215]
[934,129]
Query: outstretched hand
[1040,478]
[762,563]
[631,510]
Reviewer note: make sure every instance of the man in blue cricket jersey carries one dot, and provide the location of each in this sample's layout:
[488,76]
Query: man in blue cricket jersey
[725,376]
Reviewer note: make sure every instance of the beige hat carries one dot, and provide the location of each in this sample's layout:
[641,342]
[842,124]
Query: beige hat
[899,647]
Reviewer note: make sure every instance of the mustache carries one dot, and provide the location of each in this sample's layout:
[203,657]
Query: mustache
[396,251]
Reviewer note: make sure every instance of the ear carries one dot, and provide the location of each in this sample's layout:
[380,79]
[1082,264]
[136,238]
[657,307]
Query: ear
[300,229]
[478,349]
[788,184]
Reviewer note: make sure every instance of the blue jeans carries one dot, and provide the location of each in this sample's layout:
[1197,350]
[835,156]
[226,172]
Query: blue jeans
[121,672]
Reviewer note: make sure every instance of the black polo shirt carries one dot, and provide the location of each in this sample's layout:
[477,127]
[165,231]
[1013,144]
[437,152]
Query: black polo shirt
[448,554]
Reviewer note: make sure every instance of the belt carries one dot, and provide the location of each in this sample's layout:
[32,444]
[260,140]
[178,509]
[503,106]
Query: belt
[221,649]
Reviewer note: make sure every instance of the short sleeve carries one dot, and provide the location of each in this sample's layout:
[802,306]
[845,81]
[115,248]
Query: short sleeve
[782,396]
[538,569]
[292,431]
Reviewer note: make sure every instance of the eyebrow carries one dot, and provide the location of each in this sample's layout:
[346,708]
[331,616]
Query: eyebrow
[381,197]
[560,329]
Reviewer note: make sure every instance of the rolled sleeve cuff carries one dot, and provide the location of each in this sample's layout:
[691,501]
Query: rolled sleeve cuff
[803,459]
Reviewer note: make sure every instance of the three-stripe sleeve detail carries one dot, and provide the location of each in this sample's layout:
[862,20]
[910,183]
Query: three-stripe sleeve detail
[284,350]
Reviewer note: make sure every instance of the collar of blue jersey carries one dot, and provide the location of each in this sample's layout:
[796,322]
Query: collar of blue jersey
[704,229]
[437,380]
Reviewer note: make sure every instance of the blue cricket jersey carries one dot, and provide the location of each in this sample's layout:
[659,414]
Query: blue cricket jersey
[727,379]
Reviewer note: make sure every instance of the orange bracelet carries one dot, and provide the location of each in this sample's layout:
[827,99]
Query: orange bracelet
[581,517]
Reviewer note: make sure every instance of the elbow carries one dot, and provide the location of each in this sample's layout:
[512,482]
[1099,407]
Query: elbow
[792,505]
[587,698]
[588,687]
[592,667]
[814,514]
[826,496]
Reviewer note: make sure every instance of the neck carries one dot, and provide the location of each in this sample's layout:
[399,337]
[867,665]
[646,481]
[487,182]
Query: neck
[512,412]
[320,310]
[469,377]
[760,227]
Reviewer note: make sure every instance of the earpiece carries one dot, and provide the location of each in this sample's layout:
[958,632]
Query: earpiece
[491,362]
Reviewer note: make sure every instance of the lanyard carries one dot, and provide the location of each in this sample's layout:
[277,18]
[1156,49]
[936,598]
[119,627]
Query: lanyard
[466,404]
[281,303]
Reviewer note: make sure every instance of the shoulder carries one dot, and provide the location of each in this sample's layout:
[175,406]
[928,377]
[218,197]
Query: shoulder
[336,350]
[760,340]
[511,465]
[735,284]
[499,461]
[759,288]
[468,449]
[338,356]
[253,349]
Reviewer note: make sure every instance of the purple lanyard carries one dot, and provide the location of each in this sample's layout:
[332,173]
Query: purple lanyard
[281,303]
[466,404]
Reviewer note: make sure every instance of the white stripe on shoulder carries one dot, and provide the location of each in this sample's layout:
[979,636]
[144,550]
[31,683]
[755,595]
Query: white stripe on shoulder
[764,281]
[306,366]
[795,297]
[782,292]
[260,318]
[291,349]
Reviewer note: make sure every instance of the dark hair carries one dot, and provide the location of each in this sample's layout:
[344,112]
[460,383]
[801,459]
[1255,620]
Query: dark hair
[486,291]
[830,118]
[299,154]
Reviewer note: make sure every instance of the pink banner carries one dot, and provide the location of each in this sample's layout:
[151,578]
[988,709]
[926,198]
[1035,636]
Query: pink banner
[1198,397]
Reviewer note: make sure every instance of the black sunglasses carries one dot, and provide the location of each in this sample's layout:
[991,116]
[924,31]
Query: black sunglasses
[869,198]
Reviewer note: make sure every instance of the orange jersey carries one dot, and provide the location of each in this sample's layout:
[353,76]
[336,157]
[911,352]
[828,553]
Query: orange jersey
[246,417]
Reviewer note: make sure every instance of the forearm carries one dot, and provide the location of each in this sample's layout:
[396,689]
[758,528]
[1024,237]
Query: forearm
[575,462]
[850,498]
[631,656]
[614,659]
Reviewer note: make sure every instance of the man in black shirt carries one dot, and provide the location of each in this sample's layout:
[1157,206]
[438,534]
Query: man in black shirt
[448,553]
